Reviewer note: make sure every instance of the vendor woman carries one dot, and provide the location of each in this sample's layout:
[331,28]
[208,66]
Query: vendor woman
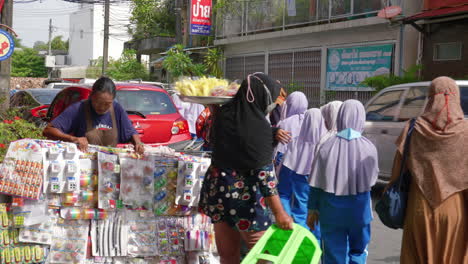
[240,187]
[100,120]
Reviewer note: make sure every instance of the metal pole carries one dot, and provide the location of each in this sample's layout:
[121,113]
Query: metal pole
[178,29]
[50,37]
[105,52]
[5,66]
[49,70]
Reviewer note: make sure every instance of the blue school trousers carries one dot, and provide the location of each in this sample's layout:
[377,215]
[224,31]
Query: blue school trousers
[345,225]
[345,244]
[293,191]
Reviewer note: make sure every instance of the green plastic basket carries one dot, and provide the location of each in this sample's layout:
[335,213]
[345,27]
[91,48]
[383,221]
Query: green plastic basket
[297,246]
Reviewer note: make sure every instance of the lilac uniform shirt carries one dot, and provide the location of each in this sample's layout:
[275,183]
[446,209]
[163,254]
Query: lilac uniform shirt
[73,121]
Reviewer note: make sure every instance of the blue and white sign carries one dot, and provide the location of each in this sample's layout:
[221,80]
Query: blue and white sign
[348,67]
[7,45]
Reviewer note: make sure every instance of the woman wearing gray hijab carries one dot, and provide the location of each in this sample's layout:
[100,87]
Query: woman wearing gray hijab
[346,167]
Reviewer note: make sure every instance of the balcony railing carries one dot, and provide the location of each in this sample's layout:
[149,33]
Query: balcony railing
[255,16]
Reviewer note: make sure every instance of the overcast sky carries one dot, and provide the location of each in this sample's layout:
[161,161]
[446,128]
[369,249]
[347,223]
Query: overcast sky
[31,20]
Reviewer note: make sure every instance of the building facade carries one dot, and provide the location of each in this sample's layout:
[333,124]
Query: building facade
[87,32]
[443,26]
[323,48]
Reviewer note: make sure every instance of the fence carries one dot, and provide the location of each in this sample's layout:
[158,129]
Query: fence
[255,16]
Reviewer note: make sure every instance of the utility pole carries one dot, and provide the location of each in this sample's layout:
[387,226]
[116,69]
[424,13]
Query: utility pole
[105,52]
[178,29]
[50,37]
[50,47]
[5,66]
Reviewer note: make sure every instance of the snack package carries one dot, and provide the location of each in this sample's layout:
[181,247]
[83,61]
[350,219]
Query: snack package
[69,243]
[165,185]
[109,237]
[21,173]
[137,177]
[142,235]
[109,181]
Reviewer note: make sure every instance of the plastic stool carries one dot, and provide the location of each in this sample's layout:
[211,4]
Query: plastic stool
[298,246]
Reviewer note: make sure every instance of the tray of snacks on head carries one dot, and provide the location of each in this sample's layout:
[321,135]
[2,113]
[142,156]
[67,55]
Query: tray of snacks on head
[206,90]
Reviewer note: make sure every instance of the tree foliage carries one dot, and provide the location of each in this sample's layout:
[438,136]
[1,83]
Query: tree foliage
[178,63]
[26,62]
[213,60]
[126,67]
[57,44]
[382,81]
[152,18]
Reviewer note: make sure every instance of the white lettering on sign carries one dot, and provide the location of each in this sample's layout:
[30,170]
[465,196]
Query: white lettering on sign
[201,10]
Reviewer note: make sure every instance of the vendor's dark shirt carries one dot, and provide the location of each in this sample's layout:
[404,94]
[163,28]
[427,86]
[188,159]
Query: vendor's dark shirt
[73,121]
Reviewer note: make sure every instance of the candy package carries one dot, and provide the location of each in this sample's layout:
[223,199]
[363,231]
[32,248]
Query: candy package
[21,173]
[9,237]
[142,235]
[170,235]
[69,243]
[23,254]
[78,213]
[37,234]
[31,213]
[200,233]
[109,181]
[165,184]
[137,177]
[190,178]
[62,168]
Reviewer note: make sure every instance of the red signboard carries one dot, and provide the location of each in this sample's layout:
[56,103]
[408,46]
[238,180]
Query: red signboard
[434,4]
[389,12]
[200,17]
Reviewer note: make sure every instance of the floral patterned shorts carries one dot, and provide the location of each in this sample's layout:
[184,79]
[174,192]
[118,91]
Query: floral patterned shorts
[238,197]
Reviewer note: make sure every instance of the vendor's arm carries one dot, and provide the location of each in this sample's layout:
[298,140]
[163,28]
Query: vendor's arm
[127,132]
[64,125]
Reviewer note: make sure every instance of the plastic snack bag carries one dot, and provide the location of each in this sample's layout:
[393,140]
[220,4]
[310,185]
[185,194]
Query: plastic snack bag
[142,235]
[69,243]
[137,181]
[109,181]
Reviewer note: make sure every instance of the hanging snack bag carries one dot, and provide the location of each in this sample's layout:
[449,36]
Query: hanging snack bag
[109,181]
[137,176]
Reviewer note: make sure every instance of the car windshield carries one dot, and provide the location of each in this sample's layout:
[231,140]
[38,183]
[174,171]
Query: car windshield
[44,97]
[146,102]
[464,99]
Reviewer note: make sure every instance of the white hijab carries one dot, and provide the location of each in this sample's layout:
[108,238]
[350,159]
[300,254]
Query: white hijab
[330,115]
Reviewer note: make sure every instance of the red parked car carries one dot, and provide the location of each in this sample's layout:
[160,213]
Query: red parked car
[150,108]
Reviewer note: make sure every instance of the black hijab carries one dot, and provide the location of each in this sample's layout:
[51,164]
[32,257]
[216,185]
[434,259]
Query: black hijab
[242,136]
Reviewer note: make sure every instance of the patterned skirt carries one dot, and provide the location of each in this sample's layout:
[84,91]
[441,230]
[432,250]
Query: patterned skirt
[238,197]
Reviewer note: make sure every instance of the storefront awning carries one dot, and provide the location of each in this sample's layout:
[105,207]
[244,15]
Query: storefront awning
[437,13]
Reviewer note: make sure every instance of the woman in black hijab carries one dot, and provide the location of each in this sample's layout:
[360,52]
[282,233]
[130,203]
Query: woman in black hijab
[241,181]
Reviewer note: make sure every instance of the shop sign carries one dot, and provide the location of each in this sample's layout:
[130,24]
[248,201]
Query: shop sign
[200,17]
[7,45]
[348,67]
